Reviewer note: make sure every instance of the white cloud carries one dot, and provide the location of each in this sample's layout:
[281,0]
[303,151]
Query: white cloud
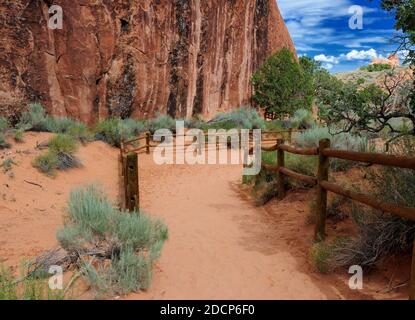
[327,59]
[328,66]
[354,55]
[307,22]
[362,55]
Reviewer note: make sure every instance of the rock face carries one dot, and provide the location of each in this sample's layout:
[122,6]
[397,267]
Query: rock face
[135,57]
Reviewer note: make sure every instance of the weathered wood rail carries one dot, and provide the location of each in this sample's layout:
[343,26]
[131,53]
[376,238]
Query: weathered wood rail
[324,153]
[130,149]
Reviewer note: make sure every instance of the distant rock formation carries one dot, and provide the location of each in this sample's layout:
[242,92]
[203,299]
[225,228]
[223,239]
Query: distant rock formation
[135,58]
[392,60]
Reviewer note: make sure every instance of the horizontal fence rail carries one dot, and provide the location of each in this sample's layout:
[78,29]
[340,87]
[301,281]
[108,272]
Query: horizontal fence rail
[372,158]
[324,153]
[128,146]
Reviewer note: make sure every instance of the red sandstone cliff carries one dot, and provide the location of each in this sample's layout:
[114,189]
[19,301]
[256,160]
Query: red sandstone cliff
[135,58]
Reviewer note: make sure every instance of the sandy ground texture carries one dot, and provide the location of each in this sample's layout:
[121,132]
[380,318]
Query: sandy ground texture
[31,214]
[220,245]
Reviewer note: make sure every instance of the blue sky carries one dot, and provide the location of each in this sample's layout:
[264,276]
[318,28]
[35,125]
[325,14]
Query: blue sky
[320,29]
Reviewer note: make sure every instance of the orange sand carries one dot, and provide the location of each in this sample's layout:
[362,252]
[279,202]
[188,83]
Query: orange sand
[220,246]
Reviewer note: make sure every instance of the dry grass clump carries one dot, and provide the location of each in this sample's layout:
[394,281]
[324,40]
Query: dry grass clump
[60,155]
[113,249]
[380,234]
[26,287]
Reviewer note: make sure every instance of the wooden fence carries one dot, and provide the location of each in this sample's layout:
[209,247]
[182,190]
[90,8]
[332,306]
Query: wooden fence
[324,153]
[128,160]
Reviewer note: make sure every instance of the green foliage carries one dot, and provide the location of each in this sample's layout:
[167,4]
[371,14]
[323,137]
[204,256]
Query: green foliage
[241,118]
[18,135]
[282,85]
[35,119]
[7,164]
[302,119]
[73,128]
[113,130]
[275,125]
[60,155]
[381,234]
[404,11]
[136,241]
[162,122]
[344,141]
[4,125]
[46,163]
[320,255]
[376,67]
[67,161]
[264,186]
[3,143]
[26,289]
[350,107]
[63,143]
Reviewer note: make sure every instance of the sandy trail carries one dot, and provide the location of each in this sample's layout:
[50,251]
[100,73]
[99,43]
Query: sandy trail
[220,246]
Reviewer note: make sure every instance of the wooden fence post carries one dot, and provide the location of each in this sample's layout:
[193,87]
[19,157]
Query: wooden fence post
[200,142]
[132,199]
[148,142]
[412,281]
[122,158]
[290,133]
[280,164]
[321,207]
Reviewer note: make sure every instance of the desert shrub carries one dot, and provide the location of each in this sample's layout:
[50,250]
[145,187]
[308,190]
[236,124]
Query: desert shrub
[26,288]
[377,67]
[320,254]
[46,163]
[18,135]
[7,164]
[73,128]
[60,155]
[264,185]
[113,130]
[89,209]
[63,143]
[343,141]
[276,125]
[108,131]
[162,122]
[379,233]
[4,124]
[67,161]
[302,164]
[302,119]
[35,119]
[3,143]
[196,123]
[134,241]
[241,118]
